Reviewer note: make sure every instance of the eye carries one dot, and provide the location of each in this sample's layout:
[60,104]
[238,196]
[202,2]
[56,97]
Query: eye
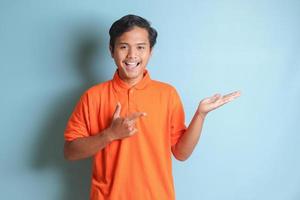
[123,47]
[141,47]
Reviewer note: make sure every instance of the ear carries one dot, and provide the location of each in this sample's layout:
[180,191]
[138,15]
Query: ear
[151,50]
[111,52]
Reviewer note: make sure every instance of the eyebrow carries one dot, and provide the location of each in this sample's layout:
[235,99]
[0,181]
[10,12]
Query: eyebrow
[140,43]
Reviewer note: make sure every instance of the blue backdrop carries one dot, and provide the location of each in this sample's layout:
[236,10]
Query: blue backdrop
[51,51]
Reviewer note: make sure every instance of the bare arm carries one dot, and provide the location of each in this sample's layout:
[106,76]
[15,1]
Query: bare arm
[88,146]
[186,144]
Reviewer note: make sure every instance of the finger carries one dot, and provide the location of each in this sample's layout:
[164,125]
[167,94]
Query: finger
[135,115]
[130,127]
[126,122]
[233,94]
[129,122]
[133,131]
[227,99]
[117,111]
[214,98]
[221,100]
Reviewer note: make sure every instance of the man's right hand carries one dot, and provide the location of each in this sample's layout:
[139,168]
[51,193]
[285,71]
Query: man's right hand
[87,146]
[123,127]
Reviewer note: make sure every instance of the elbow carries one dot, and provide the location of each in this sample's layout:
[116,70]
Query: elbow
[67,156]
[179,156]
[181,159]
[67,153]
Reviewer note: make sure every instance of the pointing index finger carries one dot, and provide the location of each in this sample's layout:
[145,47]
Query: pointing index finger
[136,115]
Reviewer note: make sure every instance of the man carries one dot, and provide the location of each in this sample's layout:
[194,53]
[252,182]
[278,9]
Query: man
[132,125]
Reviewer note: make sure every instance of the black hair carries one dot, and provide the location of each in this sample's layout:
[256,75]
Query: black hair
[126,24]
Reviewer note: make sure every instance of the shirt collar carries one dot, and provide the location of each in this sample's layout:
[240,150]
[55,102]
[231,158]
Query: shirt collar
[120,85]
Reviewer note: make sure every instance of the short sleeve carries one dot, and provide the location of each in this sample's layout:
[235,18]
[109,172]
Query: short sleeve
[177,118]
[78,124]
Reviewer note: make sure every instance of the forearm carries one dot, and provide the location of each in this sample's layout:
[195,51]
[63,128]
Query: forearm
[86,147]
[186,144]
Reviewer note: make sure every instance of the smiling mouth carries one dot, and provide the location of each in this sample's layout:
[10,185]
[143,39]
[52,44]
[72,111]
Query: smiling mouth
[131,65]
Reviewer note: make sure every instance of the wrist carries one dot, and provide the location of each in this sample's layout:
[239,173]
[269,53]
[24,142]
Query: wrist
[108,135]
[201,114]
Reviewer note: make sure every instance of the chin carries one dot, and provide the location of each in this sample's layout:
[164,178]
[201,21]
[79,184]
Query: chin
[132,75]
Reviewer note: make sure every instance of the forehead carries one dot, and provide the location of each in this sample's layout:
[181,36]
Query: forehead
[135,35]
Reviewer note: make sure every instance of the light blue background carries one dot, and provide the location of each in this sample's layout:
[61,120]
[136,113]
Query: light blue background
[52,51]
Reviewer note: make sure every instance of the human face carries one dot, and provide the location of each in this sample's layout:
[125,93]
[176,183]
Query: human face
[131,54]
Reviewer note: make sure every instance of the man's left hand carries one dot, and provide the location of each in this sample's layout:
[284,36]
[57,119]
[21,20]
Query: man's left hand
[210,103]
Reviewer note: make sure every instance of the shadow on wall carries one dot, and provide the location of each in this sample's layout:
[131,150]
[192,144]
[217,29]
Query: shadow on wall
[75,175]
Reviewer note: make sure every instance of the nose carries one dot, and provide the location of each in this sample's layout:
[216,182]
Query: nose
[132,53]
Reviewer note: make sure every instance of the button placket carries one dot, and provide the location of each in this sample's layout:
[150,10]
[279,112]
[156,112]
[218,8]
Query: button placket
[131,100]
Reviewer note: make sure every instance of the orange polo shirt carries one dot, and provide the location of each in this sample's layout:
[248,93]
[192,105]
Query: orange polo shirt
[138,167]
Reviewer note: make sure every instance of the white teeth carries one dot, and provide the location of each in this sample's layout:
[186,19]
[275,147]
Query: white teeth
[131,64]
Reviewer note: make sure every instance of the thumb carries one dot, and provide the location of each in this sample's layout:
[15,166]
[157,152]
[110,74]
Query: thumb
[117,111]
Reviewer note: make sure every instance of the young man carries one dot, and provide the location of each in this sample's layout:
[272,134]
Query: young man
[132,125]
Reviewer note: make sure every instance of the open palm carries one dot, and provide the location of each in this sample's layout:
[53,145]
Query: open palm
[210,103]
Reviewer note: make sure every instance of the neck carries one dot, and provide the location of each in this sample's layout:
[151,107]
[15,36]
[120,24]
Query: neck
[133,81]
